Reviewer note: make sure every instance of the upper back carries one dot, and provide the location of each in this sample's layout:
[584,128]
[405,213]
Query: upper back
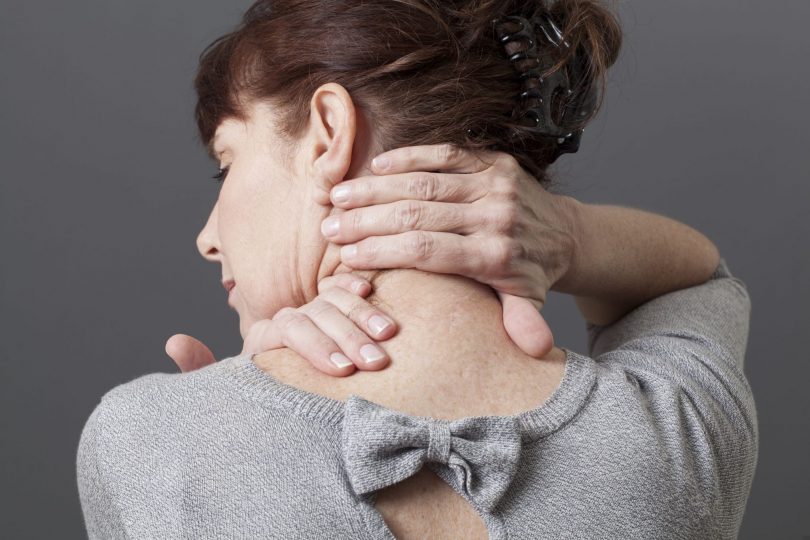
[655,436]
[424,506]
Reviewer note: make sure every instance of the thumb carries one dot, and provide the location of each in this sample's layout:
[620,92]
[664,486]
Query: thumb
[526,326]
[188,353]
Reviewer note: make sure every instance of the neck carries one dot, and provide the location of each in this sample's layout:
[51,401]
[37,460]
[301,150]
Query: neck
[433,310]
[440,313]
[450,358]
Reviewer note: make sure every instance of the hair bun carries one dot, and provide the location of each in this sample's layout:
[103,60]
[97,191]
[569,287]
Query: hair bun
[594,35]
[561,52]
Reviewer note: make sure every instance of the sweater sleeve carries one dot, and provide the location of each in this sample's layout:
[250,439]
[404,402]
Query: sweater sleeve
[102,518]
[684,353]
[714,315]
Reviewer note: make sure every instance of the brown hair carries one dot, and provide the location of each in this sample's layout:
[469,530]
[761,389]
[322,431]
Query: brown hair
[424,71]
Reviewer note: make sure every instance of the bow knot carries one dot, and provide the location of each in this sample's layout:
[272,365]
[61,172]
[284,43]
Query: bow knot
[439,443]
[382,447]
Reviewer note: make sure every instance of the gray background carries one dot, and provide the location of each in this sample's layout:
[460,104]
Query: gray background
[104,189]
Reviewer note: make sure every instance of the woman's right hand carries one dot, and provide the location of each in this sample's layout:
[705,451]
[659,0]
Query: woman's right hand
[336,332]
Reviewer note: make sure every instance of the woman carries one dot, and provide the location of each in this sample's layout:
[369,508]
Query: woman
[463,434]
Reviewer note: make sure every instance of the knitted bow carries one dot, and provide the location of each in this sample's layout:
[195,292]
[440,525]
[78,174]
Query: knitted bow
[382,447]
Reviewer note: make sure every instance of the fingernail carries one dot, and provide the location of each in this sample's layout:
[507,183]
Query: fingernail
[371,353]
[381,162]
[330,226]
[348,251]
[341,194]
[340,360]
[378,324]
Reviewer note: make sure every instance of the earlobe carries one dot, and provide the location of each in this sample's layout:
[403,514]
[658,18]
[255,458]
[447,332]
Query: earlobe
[332,130]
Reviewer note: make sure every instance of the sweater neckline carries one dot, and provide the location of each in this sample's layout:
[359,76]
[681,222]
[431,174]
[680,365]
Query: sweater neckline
[558,409]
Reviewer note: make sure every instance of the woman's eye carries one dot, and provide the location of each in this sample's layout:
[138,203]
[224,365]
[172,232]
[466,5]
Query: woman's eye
[220,176]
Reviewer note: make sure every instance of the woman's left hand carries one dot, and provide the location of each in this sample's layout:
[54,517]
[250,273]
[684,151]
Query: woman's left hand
[336,332]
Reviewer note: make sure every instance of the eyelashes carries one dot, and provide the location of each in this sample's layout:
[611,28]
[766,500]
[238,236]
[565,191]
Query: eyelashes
[220,176]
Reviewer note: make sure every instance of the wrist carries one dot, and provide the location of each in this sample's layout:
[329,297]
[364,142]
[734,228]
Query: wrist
[571,211]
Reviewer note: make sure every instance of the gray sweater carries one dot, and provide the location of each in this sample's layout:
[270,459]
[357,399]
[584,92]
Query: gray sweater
[652,435]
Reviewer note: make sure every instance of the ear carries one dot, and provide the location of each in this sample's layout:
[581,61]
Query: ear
[330,138]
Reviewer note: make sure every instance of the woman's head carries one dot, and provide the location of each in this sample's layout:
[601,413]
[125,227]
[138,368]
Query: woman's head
[302,94]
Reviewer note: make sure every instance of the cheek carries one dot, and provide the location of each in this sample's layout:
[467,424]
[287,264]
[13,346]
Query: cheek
[260,238]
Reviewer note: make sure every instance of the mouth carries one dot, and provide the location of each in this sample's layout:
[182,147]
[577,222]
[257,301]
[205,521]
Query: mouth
[228,284]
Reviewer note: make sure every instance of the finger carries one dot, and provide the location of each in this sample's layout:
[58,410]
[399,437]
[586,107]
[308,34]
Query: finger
[352,341]
[526,326]
[441,252]
[401,216]
[300,334]
[266,334]
[347,281]
[437,157]
[188,353]
[365,316]
[262,336]
[421,186]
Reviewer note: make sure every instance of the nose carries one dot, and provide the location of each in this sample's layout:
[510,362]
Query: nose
[208,240]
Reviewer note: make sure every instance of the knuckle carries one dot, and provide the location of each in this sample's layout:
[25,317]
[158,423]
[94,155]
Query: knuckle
[367,250]
[352,221]
[356,310]
[329,282]
[506,187]
[507,162]
[318,307]
[346,285]
[329,295]
[419,244]
[408,214]
[319,342]
[506,251]
[423,187]
[449,153]
[292,319]
[283,313]
[457,216]
[504,218]
[338,299]
[354,336]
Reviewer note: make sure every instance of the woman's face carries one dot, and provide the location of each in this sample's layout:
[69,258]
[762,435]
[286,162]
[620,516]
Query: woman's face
[264,227]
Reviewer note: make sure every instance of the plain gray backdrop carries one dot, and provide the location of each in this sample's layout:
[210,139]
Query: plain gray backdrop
[104,188]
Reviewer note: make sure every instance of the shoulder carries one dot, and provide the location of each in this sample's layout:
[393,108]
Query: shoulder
[156,392]
[123,440]
[161,438]
[149,431]
[138,413]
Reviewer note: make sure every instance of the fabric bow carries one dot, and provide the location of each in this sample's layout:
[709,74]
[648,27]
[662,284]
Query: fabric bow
[382,447]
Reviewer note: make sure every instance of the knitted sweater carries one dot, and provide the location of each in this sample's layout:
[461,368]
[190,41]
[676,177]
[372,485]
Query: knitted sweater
[653,434]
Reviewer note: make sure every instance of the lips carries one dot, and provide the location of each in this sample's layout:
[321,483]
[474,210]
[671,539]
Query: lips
[228,284]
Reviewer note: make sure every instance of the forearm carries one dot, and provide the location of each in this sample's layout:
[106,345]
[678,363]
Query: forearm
[624,257]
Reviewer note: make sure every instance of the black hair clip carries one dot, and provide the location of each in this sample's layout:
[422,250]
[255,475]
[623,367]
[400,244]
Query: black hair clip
[524,34]
[539,118]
